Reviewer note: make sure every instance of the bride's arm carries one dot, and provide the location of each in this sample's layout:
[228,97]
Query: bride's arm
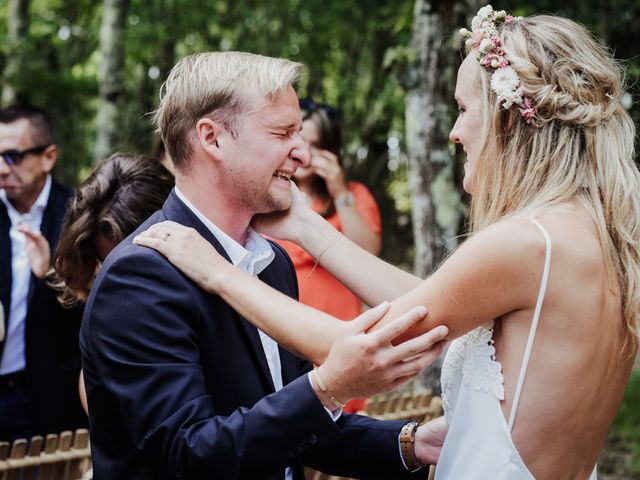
[308,332]
[495,272]
[488,276]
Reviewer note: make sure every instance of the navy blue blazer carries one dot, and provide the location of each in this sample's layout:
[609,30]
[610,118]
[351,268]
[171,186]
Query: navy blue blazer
[179,386]
[51,332]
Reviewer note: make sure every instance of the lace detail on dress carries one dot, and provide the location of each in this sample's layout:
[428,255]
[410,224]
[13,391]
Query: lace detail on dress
[471,359]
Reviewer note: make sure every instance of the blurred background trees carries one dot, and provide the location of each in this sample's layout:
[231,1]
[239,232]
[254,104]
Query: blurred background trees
[389,66]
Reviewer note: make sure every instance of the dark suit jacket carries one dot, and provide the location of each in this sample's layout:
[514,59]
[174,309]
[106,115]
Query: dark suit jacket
[179,386]
[51,332]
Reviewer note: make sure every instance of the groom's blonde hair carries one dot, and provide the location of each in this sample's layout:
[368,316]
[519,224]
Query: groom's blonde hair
[217,85]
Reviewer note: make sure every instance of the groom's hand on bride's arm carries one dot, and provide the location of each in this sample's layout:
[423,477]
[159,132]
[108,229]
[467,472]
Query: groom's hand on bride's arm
[363,363]
[429,439]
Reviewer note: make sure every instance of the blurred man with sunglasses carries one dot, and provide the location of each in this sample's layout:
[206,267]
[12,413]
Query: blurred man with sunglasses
[39,355]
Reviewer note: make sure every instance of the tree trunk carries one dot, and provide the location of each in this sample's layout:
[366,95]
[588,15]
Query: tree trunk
[18,29]
[110,75]
[437,207]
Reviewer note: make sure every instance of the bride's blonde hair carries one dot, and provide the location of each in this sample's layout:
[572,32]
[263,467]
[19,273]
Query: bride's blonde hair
[579,147]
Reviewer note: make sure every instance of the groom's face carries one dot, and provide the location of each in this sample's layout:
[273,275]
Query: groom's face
[265,154]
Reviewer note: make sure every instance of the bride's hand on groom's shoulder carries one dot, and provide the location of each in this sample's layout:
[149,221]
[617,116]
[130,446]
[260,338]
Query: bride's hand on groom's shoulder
[185,248]
[429,439]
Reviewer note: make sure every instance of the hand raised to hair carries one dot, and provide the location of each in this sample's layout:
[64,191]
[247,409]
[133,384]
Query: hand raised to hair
[361,364]
[326,165]
[38,251]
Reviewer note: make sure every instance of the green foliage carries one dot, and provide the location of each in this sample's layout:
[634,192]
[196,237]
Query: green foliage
[628,418]
[356,55]
[621,455]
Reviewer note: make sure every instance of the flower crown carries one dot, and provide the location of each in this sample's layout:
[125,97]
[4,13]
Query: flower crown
[504,79]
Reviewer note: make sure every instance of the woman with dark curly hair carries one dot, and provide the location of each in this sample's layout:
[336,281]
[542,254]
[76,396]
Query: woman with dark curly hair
[118,196]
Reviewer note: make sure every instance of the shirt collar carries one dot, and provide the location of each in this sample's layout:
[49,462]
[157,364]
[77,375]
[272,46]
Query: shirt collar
[253,257]
[37,209]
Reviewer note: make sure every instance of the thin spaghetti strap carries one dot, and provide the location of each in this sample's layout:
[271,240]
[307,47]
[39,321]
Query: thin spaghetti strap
[534,325]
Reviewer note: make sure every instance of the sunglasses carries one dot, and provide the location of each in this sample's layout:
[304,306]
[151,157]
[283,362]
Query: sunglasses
[310,106]
[15,157]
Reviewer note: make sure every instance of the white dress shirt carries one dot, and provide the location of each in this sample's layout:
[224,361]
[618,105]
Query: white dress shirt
[13,357]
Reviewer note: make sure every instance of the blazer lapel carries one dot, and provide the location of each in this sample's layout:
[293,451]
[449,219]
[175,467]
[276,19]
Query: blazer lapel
[174,209]
[254,339]
[290,365]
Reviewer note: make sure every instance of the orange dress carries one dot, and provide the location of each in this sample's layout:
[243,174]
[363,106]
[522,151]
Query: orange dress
[322,290]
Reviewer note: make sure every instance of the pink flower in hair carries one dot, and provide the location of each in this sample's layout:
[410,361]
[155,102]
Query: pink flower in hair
[505,81]
[527,110]
[486,60]
[476,38]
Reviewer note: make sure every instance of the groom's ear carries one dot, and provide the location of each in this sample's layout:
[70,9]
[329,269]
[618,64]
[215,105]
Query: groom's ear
[210,136]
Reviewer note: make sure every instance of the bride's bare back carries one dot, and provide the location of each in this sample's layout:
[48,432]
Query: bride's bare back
[578,369]
[579,365]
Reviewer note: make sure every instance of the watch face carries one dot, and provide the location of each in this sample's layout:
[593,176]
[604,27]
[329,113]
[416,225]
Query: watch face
[345,199]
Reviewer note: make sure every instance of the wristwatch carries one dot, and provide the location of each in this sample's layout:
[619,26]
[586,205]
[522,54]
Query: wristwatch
[344,200]
[407,446]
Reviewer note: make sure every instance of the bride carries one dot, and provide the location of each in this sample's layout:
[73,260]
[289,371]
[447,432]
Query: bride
[543,297]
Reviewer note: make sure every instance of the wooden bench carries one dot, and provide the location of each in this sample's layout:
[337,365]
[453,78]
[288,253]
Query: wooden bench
[66,456]
[421,406]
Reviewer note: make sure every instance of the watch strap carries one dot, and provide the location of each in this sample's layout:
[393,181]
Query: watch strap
[407,445]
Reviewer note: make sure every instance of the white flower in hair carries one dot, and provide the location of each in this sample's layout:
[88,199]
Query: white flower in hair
[485,11]
[485,45]
[505,82]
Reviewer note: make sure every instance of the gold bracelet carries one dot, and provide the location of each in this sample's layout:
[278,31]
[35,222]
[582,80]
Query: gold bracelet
[323,387]
[317,260]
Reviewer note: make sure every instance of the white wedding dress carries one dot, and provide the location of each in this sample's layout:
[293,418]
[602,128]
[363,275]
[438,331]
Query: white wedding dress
[479,443]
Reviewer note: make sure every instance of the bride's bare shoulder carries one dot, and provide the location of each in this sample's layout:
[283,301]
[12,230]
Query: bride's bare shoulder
[514,240]
[572,233]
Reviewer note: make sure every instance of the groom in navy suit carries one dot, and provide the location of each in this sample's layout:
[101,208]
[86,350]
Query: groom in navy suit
[179,385]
